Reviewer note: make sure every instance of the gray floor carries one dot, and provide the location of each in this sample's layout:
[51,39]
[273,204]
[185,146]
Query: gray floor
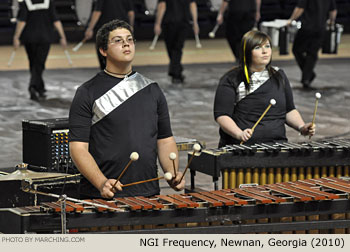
[190,104]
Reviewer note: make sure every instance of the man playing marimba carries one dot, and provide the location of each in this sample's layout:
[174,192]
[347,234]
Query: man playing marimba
[117,112]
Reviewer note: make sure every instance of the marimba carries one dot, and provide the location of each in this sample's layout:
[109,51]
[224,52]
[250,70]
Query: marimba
[273,163]
[313,206]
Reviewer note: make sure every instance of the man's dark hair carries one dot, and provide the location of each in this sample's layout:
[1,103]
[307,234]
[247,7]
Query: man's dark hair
[103,33]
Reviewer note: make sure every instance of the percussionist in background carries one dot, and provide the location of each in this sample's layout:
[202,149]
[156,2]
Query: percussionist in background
[245,91]
[105,11]
[117,112]
[173,19]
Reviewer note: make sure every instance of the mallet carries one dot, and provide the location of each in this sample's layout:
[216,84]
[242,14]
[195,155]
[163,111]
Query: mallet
[167,176]
[213,32]
[172,156]
[272,103]
[318,96]
[133,157]
[154,42]
[196,148]
[80,44]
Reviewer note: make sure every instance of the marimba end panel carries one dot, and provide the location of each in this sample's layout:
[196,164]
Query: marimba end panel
[12,194]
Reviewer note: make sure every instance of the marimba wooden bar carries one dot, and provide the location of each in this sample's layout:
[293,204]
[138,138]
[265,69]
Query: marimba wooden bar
[303,206]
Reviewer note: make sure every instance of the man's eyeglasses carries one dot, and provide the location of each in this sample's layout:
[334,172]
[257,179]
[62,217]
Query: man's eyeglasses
[121,41]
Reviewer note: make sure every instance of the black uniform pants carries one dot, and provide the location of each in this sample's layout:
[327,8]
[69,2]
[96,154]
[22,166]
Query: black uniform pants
[305,49]
[175,36]
[236,26]
[37,54]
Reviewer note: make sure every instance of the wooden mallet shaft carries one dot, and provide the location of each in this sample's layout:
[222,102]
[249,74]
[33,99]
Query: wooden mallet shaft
[315,110]
[167,176]
[196,148]
[272,102]
[142,181]
[122,173]
[154,42]
[133,157]
[172,157]
[68,57]
[198,42]
[213,32]
[13,54]
[174,168]
[318,96]
[80,44]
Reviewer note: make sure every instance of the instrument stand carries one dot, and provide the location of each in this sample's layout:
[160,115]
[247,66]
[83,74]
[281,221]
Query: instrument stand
[63,199]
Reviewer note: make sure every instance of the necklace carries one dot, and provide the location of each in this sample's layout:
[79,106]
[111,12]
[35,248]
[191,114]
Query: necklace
[118,75]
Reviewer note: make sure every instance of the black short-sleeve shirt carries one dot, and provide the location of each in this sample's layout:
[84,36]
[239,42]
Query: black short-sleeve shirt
[247,111]
[177,11]
[112,9]
[315,13]
[239,6]
[39,23]
[134,126]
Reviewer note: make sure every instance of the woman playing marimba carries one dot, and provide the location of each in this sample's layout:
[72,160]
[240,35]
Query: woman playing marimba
[244,93]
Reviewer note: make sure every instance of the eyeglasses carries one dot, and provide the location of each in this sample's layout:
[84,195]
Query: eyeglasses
[120,41]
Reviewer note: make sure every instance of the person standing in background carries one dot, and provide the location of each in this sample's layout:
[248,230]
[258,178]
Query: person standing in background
[309,38]
[173,19]
[241,17]
[105,11]
[36,20]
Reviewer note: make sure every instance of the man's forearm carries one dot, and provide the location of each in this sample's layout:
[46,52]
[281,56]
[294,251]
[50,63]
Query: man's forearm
[223,8]
[59,28]
[131,16]
[87,165]
[19,28]
[160,13]
[258,5]
[94,19]
[297,12]
[194,12]
[332,16]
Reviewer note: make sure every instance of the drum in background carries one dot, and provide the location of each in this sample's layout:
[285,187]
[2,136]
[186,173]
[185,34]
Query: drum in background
[83,9]
[273,28]
[151,7]
[215,5]
[331,39]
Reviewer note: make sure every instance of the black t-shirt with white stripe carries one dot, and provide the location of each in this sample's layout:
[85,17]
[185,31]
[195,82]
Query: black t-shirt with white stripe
[134,126]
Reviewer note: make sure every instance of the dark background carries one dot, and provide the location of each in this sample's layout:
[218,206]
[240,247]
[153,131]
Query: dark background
[270,10]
